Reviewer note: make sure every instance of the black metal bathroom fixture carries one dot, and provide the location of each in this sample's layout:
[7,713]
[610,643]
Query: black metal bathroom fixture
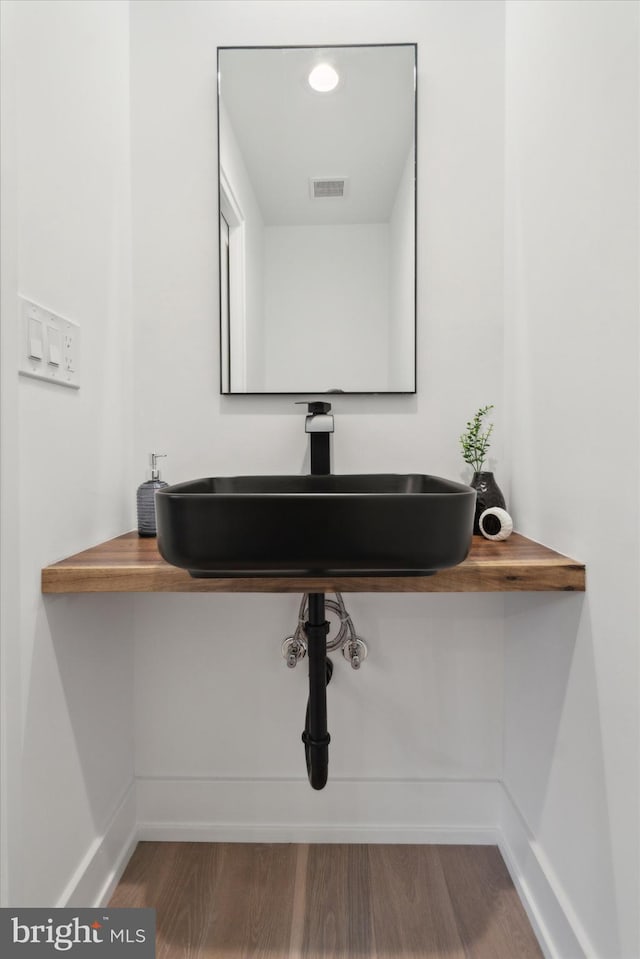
[316,737]
[311,635]
[311,638]
[319,425]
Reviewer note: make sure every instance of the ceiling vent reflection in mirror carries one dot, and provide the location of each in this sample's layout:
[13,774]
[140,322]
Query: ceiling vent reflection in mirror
[324,188]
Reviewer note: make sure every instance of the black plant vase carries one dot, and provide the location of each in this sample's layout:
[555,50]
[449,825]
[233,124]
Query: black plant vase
[488,494]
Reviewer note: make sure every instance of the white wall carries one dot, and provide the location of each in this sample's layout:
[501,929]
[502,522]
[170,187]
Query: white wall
[417,735]
[67,724]
[402,226]
[326,307]
[571,680]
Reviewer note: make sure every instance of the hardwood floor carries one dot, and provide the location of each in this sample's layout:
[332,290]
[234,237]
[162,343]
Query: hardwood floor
[259,901]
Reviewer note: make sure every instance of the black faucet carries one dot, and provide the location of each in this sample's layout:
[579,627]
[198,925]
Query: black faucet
[319,425]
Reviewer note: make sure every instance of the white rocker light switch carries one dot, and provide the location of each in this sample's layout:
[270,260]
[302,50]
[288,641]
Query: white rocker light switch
[35,339]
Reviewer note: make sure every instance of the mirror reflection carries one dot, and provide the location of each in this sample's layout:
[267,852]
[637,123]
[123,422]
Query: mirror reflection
[317,219]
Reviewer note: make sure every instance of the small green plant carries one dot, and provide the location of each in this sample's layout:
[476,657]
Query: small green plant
[474,443]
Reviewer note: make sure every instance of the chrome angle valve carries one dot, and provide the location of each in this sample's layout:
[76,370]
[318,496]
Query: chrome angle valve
[354,649]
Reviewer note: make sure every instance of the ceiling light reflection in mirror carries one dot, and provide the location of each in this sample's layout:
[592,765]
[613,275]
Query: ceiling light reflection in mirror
[323,78]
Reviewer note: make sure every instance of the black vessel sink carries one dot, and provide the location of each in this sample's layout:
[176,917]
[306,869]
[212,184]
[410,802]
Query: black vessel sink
[364,525]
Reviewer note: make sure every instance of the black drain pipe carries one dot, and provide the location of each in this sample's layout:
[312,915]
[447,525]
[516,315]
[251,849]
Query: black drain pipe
[315,736]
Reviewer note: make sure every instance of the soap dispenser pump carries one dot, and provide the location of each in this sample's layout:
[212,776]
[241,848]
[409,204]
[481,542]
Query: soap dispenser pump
[147,498]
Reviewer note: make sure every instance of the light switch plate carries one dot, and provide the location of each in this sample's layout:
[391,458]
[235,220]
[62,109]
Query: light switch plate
[58,345]
[34,351]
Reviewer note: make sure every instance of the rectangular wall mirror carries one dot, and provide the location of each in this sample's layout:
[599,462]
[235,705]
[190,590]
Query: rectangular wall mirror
[317,188]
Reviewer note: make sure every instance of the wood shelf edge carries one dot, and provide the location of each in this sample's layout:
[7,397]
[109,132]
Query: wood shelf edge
[128,564]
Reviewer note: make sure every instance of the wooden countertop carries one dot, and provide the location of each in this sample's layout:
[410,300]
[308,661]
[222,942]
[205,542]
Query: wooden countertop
[132,564]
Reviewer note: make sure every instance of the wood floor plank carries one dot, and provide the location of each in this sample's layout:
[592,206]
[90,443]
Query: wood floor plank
[411,909]
[253,903]
[183,906]
[299,902]
[337,914]
[490,917]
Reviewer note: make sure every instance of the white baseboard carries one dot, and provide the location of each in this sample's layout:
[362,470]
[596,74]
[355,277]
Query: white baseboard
[345,811]
[104,862]
[557,927]
[397,835]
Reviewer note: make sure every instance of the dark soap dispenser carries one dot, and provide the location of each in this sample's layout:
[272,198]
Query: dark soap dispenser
[147,498]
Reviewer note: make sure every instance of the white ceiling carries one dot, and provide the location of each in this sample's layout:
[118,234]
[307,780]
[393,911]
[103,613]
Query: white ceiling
[287,133]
